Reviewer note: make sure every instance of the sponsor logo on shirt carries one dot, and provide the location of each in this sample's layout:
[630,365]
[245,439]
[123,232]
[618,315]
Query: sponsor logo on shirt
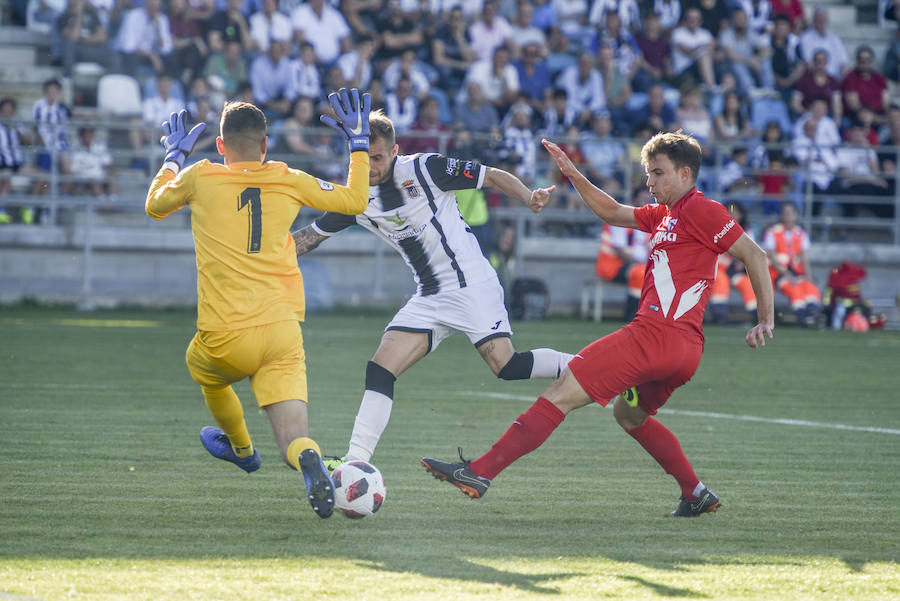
[398,221]
[452,167]
[467,170]
[659,237]
[407,232]
[412,190]
[327,186]
[724,231]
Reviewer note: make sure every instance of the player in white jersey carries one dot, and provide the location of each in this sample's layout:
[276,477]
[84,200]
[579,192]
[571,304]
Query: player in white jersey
[413,208]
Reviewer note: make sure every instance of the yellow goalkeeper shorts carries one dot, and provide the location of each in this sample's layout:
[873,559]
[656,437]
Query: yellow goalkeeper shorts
[270,355]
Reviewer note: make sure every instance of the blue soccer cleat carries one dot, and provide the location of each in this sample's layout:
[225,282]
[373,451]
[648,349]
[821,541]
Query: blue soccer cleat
[216,442]
[319,487]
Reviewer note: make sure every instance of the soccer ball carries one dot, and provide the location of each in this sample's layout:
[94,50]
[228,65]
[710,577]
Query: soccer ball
[358,489]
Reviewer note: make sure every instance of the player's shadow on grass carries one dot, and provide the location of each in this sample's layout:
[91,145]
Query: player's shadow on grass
[662,589]
[460,569]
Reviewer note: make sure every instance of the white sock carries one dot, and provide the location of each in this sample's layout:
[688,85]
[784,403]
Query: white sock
[549,363]
[698,489]
[371,420]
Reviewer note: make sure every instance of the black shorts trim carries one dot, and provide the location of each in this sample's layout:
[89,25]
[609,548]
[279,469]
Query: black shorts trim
[414,331]
[492,336]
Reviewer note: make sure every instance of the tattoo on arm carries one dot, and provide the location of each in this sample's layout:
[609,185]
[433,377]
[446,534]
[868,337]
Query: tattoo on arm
[307,239]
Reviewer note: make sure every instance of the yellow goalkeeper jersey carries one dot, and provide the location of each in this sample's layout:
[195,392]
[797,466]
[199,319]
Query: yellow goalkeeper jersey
[241,215]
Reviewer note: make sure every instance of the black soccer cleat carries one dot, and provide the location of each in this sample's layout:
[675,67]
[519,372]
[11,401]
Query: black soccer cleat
[459,474]
[707,502]
[319,487]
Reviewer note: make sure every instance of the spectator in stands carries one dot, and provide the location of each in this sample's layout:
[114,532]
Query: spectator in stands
[759,15]
[669,13]
[657,114]
[768,160]
[559,52]
[524,32]
[787,245]
[401,105]
[473,110]
[793,10]
[323,26]
[816,84]
[270,24]
[619,38]
[888,158]
[714,14]
[498,79]
[79,35]
[746,54]
[489,32]
[827,132]
[428,121]
[534,77]
[732,124]
[451,50]
[692,51]
[616,88]
[362,15]
[571,22]
[229,25]
[519,140]
[229,66]
[864,86]
[858,176]
[155,109]
[408,66]
[816,158]
[560,117]
[653,60]
[304,76]
[190,49]
[818,37]
[786,66]
[731,272]
[145,40]
[43,14]
[693,117]
[51,118]
[356,65]
[13,139]
[272,77]
[92,165]
[398,31]
[629,12]
[735,179]
[604,157]
[295,132]
[584,88]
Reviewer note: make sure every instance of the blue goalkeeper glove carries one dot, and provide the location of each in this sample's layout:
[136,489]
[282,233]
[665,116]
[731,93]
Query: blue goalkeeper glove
[352,117]
[177,141]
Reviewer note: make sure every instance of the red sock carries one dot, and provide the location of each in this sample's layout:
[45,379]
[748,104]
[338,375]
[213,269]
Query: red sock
[526,434]
[665,448]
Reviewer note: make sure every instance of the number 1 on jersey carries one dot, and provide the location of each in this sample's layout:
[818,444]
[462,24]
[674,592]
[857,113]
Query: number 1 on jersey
[254,239]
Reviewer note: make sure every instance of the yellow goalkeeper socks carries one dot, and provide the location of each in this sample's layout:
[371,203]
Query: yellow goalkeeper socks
[226,408]
[297,446]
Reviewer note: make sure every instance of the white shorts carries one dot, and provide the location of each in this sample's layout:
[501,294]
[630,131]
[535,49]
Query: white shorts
[477,311]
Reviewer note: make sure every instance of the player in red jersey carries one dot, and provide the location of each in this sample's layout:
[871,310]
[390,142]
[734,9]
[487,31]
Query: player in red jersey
[640,365]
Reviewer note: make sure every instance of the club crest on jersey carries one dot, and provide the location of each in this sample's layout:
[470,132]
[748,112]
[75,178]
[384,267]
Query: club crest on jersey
[670,223]
[327,186]
[412,190]
[452,167]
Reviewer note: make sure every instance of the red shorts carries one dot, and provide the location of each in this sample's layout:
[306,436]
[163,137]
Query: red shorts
[655,359]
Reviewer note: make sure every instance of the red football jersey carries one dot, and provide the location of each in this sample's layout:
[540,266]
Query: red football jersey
[685,242]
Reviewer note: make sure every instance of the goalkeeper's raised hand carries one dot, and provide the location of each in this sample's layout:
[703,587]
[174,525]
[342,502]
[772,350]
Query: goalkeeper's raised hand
[177,141]
[352,117]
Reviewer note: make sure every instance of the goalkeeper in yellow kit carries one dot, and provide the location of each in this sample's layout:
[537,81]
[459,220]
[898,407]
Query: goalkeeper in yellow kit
[249,288]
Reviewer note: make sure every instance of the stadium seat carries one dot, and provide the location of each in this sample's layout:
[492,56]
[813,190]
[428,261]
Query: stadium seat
[765,109]
[119,94]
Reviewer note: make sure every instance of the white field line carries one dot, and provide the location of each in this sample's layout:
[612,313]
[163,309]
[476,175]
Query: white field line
[714,415]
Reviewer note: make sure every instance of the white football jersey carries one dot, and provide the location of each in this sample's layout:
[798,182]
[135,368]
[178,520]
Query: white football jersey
[415,211]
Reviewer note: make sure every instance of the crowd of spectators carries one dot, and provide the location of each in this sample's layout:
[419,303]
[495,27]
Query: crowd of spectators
[771,96]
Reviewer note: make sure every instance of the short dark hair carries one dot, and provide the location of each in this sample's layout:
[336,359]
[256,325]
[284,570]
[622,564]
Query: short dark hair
[52,82]
[682,149]
[381,127]
[243,125]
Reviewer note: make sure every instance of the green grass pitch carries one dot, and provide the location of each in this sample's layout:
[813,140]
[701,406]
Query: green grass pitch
[107,494]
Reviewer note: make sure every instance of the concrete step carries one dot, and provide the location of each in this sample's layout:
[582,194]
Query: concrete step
[17,55]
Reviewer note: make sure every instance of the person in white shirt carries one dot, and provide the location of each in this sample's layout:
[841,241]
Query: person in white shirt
[145,39]
[489,32]
[692,49]
[497,78]
[818,37]
[269,24]
[584,87]
[323,26]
